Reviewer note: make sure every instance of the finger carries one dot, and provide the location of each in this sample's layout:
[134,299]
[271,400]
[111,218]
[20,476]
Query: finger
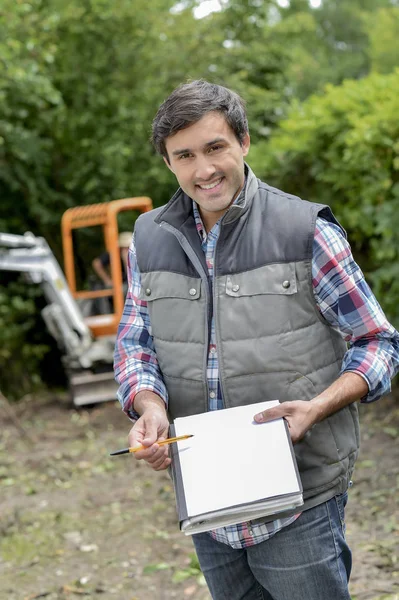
[145,435]
[152,434]
[153,454]
[164,466]
[270,414]
[135,436]
[161,465]
[147,454]
[157,462]
[151,430]
[158,452]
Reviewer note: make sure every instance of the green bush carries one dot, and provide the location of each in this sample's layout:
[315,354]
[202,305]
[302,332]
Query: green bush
[342,149]
[21,349]
[80,83]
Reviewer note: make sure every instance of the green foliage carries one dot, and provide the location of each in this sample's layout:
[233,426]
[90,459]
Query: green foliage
[81,80]
[328,45]
[383,29]
[29,107]
[20,353]
[342,149]
[193,570]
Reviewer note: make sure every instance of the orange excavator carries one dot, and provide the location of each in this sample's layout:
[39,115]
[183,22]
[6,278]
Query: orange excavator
[86,342]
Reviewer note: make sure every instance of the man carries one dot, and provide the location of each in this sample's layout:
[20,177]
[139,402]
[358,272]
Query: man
[101,263]
[240,293]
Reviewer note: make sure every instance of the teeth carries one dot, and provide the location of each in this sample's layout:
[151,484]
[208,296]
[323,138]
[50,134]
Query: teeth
[210,185]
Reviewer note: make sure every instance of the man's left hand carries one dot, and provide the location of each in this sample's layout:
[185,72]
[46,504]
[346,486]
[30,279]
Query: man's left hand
[300,415]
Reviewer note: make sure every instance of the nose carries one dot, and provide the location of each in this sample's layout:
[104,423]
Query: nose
[204,169]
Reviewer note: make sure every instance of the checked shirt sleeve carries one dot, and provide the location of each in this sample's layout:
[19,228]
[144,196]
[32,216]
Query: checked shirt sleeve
[348,304]
[135,362]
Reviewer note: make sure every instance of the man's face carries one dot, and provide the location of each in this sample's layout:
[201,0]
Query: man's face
[208,162]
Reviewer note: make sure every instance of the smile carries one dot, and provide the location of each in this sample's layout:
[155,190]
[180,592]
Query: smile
[210,186]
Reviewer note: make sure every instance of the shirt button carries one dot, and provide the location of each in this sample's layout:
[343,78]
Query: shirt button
[235,288]
[286,284]
[148,292]
[192,292]
[212,395]
[213,350]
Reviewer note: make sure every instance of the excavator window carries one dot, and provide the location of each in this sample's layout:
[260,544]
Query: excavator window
[103,217]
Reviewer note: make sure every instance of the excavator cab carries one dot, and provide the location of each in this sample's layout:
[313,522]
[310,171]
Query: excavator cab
[106,216]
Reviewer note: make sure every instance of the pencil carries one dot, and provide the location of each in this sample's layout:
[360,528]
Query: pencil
[162,443]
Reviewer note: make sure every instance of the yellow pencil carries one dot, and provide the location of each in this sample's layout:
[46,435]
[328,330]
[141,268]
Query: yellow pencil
[162,443]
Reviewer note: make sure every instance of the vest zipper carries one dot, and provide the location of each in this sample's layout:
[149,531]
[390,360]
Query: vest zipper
[208,292]
[218,345]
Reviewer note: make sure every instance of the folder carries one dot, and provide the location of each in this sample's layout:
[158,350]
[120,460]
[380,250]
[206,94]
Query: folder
[233,469]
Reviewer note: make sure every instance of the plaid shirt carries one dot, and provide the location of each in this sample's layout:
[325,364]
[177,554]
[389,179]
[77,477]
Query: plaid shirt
[342,296]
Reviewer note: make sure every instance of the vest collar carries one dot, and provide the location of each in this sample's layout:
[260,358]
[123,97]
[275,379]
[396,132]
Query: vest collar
[179,208]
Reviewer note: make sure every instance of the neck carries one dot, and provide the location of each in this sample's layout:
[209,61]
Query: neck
[210,219]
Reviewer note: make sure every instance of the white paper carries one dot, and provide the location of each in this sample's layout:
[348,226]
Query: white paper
[216,464]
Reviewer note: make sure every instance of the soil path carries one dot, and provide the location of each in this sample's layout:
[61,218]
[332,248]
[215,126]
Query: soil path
[75,523]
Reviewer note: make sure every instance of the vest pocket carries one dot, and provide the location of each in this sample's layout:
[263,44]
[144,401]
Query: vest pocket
[276,278]
[344,428]
[333,439]
[300,388]
[177,309]
[157,285]
[318,448]
[258,303]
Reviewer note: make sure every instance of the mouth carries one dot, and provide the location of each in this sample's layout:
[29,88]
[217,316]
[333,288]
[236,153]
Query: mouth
[206,187]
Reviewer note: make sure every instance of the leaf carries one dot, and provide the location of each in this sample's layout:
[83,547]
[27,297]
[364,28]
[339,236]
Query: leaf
[181,575]
[152,568]
[392,431]
[367,464]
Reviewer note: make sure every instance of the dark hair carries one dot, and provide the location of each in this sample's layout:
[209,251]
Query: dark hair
[188,103]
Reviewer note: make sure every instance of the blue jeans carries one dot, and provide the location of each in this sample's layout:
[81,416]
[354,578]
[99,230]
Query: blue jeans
[307,560]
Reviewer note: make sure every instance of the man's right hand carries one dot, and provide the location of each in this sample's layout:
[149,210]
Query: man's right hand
[152,426]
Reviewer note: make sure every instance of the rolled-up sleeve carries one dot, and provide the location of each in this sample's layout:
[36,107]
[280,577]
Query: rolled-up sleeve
[346,301]
[135,362]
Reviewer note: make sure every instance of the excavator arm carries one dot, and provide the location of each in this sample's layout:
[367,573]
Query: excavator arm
[82,354]
[87,342]
[32,256]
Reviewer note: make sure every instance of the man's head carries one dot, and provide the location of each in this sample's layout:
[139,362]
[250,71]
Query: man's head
[188,103]
[202,132]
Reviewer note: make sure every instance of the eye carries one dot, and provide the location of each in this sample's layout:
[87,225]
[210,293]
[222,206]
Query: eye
[184,156]
[215,148]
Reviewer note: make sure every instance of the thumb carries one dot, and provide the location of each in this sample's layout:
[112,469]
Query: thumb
[150,434]
[149,438]
[270,414]
[143,433]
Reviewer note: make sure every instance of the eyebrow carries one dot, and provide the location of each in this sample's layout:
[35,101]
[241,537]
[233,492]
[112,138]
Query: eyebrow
[215,141]
[207,145]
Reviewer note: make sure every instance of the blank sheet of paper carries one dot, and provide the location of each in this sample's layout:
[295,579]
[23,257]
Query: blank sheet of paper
[232,460]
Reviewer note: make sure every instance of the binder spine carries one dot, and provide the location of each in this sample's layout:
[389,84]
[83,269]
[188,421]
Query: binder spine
[177,479]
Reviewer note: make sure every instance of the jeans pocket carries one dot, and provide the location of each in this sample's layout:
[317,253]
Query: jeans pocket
[341,500]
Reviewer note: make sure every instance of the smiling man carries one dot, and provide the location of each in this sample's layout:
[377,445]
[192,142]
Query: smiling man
[241,293]
[207,159]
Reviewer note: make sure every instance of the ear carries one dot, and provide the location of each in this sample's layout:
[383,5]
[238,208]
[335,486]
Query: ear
[245,144]
[167,163]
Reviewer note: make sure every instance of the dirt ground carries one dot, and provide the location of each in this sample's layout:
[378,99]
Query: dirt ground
[76,523]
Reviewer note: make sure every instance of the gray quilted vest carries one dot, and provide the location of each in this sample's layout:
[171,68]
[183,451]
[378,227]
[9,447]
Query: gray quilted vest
[272,341]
